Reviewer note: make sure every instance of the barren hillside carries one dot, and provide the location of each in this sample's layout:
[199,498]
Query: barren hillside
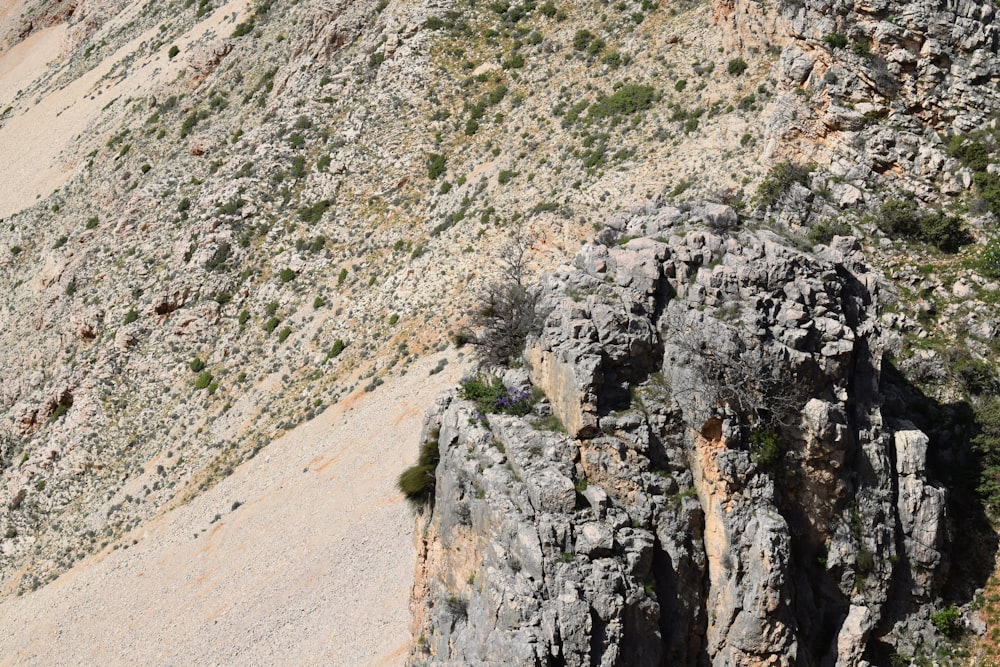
[222,223]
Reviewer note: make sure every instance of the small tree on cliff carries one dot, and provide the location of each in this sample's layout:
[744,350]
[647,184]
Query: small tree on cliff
[506,309]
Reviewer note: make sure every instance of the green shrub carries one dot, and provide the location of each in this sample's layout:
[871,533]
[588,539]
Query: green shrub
[60,242]
[315,212]
[197,365]
[824,231]
[903,218]
[336,349]
[131,316]
[217,262]
[435,165]
[271,324]
[765,448]
[491,396]
[629,99]
[986,445]
[864,561]
[298,169]
[836,40]
[946,232]
[393,319]
[779,180]
[582,39]
[736,67]
[948,622]
[989,260]
[91,223]
[172,53]
[988,187]
[341,277]
[515,61]
[505,176]
[244,28]
[418,481]
[975,374]
[203,381]
[286,275]
[972,153]
[318,302]
[284,334]
[60,410]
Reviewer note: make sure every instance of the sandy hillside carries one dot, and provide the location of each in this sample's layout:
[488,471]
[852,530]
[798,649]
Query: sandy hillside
[313,567]
[41,123]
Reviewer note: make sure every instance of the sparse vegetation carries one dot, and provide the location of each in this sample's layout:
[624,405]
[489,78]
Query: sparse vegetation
[904,218]
[417,482]
[491,395]
[779,181]
[736,67]
[435,165]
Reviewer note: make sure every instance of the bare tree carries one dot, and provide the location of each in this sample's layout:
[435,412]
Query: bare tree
[755,383]
[506,309]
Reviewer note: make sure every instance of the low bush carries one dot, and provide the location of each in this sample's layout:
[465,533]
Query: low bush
[835,40]
[417,482]
[904,218]
[779,180]
[336,349]
[436,165]
[986,445]
[736,67]
[629,99]
[217,262]
[314,212]
[491,395]
[765,448]
[824,231]
[989,259]
[948,621]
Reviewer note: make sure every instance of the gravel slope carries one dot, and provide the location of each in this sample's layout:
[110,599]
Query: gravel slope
[314,567]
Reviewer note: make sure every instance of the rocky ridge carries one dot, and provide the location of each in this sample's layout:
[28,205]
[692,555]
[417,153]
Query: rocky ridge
[659,528]
[301,199]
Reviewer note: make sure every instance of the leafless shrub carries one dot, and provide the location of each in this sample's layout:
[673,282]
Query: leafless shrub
[755,383]
[506,309]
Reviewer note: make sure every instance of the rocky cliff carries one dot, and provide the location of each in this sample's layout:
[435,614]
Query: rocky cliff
[221,218]
[726,489]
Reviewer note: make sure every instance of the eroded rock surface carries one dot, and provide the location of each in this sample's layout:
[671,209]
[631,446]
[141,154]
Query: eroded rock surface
[727,491]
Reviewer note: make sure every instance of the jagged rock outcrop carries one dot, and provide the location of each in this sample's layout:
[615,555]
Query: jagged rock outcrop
[869,87]
[727,491]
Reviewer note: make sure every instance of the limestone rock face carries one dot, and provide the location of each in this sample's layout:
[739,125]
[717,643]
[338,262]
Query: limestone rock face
[726,491]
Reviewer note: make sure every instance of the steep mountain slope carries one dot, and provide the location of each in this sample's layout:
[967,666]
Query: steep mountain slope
[302,556]
[222,219]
